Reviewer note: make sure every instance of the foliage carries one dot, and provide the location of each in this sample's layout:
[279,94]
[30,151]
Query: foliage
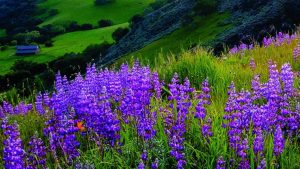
[205,7]
[119,33]
[28,37]
[86,26]
[12,20]
[103,2]
[105,23]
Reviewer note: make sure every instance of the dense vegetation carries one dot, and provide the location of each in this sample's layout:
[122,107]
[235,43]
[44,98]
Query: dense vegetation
[179,115]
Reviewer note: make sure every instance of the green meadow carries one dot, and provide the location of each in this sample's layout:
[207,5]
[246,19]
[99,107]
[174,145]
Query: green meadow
[75,10]
[67,43]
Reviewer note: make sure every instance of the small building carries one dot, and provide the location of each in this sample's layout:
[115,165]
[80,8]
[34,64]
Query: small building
[27,50]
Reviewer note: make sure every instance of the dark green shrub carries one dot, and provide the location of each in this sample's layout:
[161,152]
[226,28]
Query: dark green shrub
[119,33]
[31,67]
[103,2]
[205,7]
[73,26]
[136,19]
[3,48]
[86,26]
[48,43]
[105,23]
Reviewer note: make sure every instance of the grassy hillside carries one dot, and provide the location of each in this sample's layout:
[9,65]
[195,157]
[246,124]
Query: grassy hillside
[203,30]
[70,42]
[86,12]
[199,64]
[119,12]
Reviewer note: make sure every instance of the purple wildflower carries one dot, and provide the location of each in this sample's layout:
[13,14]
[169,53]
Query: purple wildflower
[287,77]
[258,145]
[221,164]
[13,152]
[296,53]
[141,165]
[278,141]
[154,165]
[36,153]
[252,64]
[262,164]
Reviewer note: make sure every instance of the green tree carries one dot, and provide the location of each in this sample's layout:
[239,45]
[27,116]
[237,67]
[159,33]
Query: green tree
[102,2]
[28,37]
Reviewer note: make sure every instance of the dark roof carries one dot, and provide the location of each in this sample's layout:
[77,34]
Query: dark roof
[29,47]
[26,51]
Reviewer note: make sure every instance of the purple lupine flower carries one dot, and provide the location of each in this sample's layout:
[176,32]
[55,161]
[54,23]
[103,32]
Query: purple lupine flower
[102,120]
[200,110]
[144,155]
[242,149]
[36,153]
[39,104]
[61,128]
[252,64]
[262,164]
[205,94]
[2,113]
[267,41]
[274,86]
[206,129]
[258,144]
[251,46]
[296,53]
[154,165]
[287,77]
[22,108]
[243,47]
[7,108]
[157,85]
[257,88]
[221,164]
[141,165]
[180,96]
[13,152]
[244,164]
[278,141]
[234,50]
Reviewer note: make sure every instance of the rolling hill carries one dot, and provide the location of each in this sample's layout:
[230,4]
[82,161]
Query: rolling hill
[86,12]
[74,42]
[77,41]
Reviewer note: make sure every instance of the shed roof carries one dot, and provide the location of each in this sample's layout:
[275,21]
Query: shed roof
[29,47]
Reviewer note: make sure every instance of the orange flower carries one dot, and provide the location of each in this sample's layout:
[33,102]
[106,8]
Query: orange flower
[80,126]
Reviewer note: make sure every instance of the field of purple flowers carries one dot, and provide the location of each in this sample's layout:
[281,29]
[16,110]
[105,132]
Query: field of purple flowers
[132,118]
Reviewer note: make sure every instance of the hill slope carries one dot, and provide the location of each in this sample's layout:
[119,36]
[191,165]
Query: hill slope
[74,42]
[86,12]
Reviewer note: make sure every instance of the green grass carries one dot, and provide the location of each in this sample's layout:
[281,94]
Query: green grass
[199,64]
[86,12]
[2,33]
[203,30]
[70,42]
